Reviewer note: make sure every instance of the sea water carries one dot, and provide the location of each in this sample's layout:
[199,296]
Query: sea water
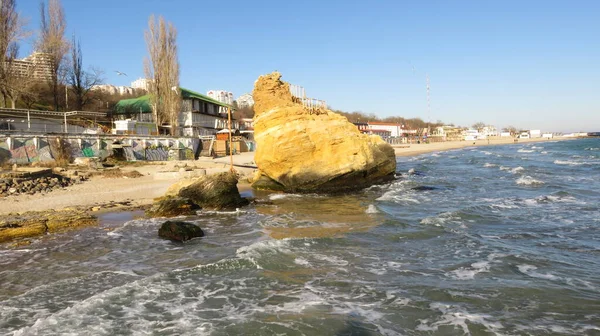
[505,241]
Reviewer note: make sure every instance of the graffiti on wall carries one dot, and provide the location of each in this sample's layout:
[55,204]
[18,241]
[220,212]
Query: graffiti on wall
[27,150]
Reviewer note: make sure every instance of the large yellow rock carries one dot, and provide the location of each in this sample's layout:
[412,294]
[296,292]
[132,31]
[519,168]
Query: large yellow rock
[312,151]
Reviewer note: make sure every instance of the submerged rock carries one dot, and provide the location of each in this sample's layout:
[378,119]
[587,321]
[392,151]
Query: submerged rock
[215,192]
[424,188]
[172,206]
[312,150]
[179,231]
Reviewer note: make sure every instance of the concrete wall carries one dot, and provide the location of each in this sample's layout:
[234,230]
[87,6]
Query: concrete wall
[23,149]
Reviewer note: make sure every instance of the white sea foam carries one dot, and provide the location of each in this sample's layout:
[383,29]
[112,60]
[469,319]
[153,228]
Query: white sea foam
[528,180]
[517,170]
[274,197]
[331,259]
[457,317]
[371,209]
[522,150]
[490,165]
[530,270]
[438,220]
[301,262]
[570,163]
[468,273]
[592,149]
[486,152]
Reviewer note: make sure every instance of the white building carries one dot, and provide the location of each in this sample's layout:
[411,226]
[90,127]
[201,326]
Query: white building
[472,134]
[391,129]
[37,65]
[141,83]
[535,133]
[221,95]
[112,89]
[245,100]
[489,131]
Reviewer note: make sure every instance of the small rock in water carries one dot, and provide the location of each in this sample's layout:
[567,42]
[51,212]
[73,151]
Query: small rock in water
[179,231]
[424,188]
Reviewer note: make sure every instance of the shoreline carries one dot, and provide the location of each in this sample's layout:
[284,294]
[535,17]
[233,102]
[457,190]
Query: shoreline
[101,196]
[98,192]
[418,149]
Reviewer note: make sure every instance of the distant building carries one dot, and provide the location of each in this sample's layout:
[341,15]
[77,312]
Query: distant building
[37,65]
[535,133]
[225,97]
[112,89]
[141,83]
[383,128]
[245,100]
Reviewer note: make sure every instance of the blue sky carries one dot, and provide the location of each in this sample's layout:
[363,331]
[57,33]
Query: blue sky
[531,64]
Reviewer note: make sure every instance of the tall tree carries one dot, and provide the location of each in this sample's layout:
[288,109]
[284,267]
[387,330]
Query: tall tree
[12,31]
[80,80]
[162,68]
[53,43]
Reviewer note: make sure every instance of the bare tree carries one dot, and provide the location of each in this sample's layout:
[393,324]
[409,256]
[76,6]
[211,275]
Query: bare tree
[162,68]
[478,126]
[12,31]
[80,80]
[53,43]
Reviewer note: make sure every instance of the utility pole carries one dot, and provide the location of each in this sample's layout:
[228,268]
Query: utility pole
[428,103]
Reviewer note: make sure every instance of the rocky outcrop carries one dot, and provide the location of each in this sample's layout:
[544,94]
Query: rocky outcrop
[215,192]
[36,223]
[302,150]
[179,231]
[172,206]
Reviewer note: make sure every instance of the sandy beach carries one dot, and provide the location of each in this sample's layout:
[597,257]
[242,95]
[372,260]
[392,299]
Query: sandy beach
[140,191]
[157,178]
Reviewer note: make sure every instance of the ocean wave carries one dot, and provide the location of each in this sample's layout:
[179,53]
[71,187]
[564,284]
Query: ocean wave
[490,165]
[528,180]
[522,150]
[593,149]
[530,271]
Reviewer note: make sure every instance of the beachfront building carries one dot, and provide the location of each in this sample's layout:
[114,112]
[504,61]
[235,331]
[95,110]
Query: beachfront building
[362,127]
[379,128]
[535,133]
[489,131]
[447,133]
[200,115]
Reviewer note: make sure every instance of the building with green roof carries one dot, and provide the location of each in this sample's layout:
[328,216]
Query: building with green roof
[200,115]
